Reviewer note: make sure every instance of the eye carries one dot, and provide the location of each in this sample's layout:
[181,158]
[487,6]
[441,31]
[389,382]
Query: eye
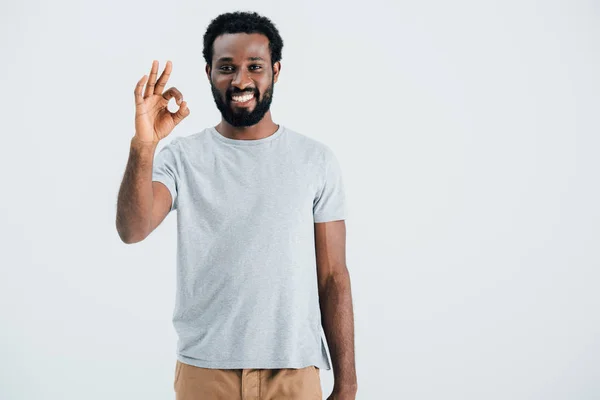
[223,68]
[256,65]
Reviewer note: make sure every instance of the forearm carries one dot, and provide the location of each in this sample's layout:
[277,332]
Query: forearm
[134,204]
[337,318]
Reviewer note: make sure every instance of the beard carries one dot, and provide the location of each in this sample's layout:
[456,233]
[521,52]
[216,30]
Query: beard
[241,117]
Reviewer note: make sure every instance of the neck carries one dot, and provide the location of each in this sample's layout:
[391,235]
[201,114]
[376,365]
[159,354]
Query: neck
[266,127]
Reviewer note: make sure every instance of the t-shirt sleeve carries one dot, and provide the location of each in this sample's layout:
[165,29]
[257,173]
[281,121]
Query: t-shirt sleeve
[165,170]
[330,200]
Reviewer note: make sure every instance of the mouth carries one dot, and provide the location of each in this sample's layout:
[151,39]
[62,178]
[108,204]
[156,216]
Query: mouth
[242,100]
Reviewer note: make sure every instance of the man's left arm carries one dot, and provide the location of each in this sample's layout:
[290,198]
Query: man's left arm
[335,300]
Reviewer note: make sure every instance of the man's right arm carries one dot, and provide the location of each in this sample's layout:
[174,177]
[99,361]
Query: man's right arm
[142,204]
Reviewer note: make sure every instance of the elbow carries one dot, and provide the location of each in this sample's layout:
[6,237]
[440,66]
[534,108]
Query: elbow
[130,240]
[340,279]
[129,237]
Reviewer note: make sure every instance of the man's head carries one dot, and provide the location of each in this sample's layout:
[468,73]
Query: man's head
[242,51]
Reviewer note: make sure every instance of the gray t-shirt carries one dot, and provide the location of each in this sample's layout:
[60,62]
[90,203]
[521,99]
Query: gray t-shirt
[247,292]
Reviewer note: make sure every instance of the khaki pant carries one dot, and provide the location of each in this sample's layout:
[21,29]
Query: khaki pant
[195,383]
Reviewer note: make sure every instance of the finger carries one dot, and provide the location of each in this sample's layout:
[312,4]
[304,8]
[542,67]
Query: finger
[173,92]
[139,100]
[183,112]
[152,79]
[164,77]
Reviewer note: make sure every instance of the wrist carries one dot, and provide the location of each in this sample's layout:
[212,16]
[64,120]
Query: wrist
[345,388]
[137,142]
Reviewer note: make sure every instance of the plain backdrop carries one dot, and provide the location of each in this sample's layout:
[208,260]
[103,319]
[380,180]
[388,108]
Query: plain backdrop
[468,136]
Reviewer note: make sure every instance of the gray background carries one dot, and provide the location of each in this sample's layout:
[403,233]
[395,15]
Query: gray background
[467,133]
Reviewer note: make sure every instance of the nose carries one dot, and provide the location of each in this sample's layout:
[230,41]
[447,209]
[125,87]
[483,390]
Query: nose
[241,79]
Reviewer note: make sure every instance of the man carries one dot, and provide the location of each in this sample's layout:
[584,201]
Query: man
[261,229]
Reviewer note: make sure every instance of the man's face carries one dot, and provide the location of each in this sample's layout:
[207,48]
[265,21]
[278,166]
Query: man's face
[241,67]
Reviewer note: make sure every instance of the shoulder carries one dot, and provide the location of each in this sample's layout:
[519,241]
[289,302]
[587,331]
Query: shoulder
[321,152]
[191,140]
[182,145]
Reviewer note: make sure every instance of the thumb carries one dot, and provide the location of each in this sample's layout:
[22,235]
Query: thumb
[183,112]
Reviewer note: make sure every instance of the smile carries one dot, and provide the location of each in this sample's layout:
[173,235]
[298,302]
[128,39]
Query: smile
[242,99]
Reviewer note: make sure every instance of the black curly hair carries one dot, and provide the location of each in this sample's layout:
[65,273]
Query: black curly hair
[242,22]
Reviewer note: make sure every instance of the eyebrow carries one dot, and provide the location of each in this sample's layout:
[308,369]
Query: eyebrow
[225,59]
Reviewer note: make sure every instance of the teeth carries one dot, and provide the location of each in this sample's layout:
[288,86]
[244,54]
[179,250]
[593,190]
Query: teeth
[243,98]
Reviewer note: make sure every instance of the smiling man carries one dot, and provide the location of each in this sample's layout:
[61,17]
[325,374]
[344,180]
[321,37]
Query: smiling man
[243,103]
[261,229]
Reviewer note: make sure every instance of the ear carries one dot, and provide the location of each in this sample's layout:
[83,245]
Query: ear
[207,69]
[276,69]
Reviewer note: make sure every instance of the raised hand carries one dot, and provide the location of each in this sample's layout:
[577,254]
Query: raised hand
[153,120]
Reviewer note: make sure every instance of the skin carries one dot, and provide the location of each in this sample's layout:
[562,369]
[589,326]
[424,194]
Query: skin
[241,74]
[142,204]
[335,299]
